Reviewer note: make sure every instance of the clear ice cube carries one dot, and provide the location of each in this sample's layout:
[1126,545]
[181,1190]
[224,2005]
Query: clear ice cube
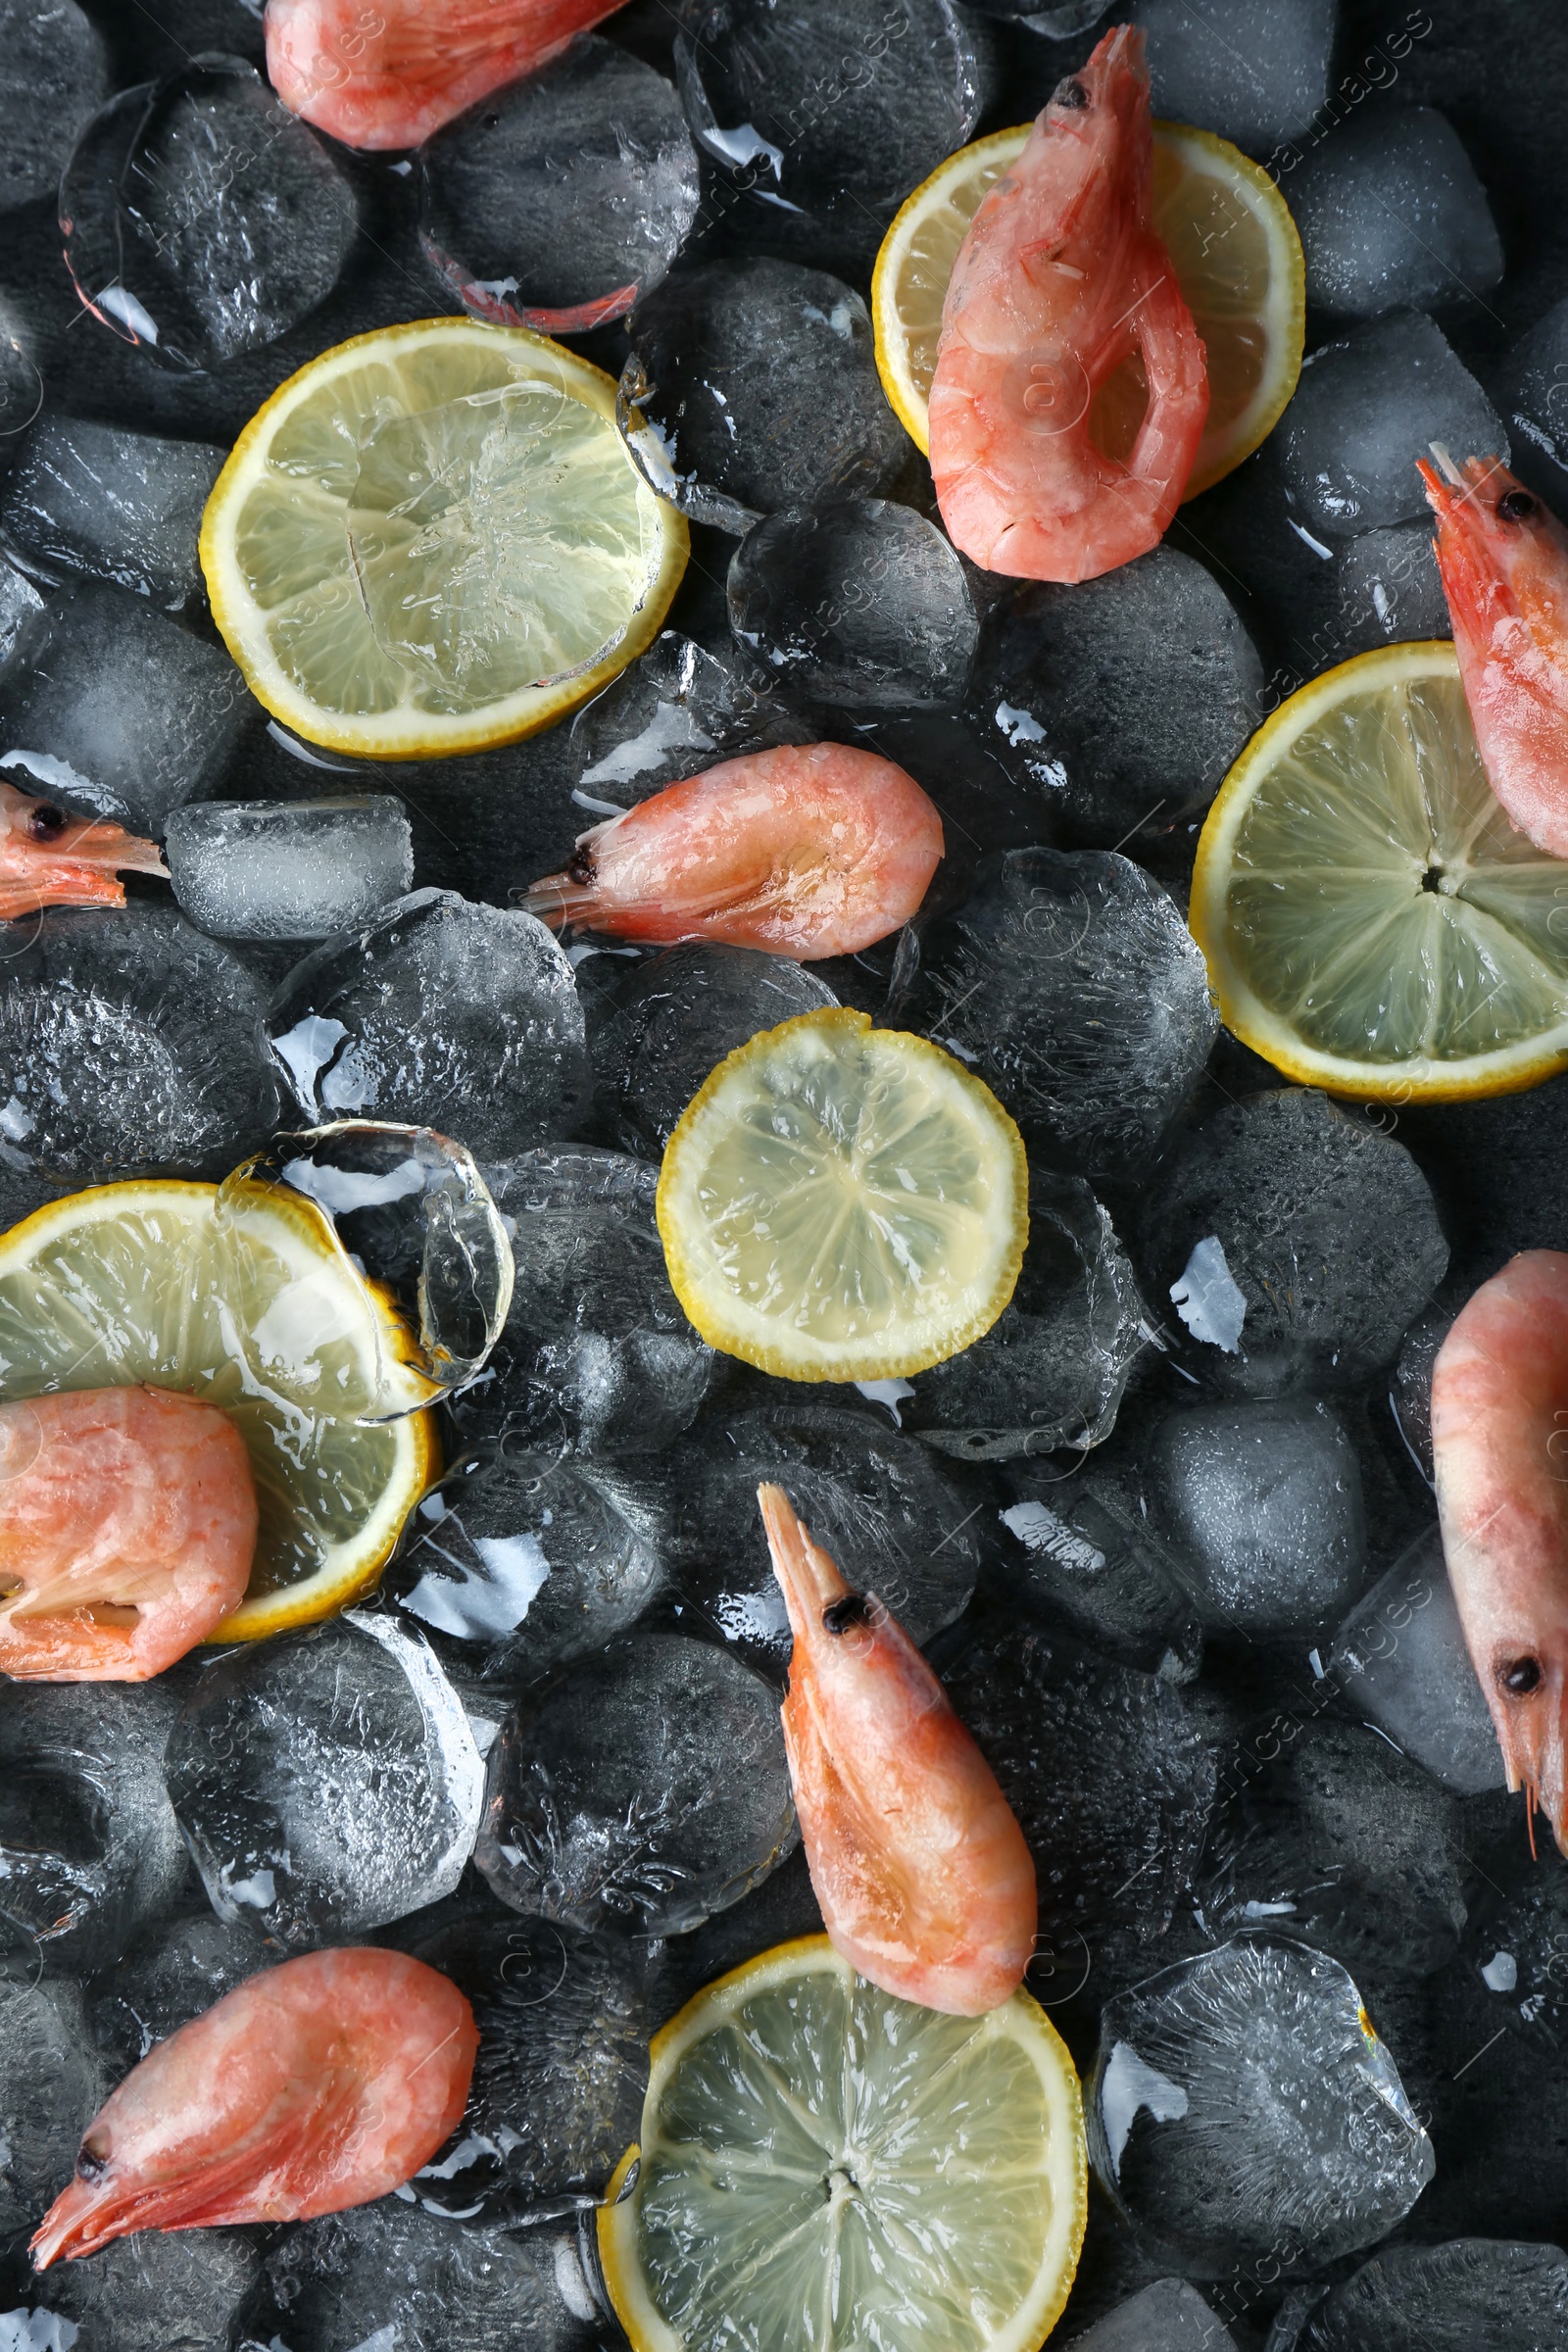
[440,1013]
[1392,217]
[170,1975]
[1257,73]
[120,507]
[1531,391]
[1086,1548]
[327,1781]
[855,601]
[671,715]
[289,869]
[20,600]
[50,2086]
[1448,2298]
[1242,2109]
[642,1790]
[172,2291]
[1073,988]
[1365,410]
[54,72]
[1390,591]
[1170,2316]
[1400,1662]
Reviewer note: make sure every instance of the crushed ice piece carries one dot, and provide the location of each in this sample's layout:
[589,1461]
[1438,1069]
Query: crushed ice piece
[1039,1530]
[671,728]
[470,1605]
[37,2332]
[1207,1300]
[1129,2083]
[1500,1973]
[890,1393]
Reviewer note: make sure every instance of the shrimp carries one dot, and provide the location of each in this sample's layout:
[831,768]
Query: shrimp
[128,1527]
[312,2086]
[1499,1438]
[925,1883]
[1060,280]
[810,851]
[51,858]
[391,75]
[1503,557]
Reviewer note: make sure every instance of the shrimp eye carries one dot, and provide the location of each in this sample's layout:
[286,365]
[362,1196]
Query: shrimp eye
[1520,1676]
[1515,505]
[581,868]
[45,820]
[840,1615]
[93,2161]
[1070,94]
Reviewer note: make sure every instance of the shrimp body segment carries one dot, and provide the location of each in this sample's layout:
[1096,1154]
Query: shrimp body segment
[51,858]
[127,1529]
[806,851]
[1060,278]
[1499,1443]
[390,75]
[1503,557]
[313,2086]
[925,1883]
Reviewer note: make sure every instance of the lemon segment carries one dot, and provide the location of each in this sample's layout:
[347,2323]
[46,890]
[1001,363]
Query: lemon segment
[251,1305]
[843,1202]
[823,2166]
[1372,922]
[1237,259]
[431,540]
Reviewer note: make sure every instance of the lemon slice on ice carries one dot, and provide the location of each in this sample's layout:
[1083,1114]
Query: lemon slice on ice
[823,2166]
[843,1202]
[1237,258]
[250,1305]
[1372,922]
[431,539]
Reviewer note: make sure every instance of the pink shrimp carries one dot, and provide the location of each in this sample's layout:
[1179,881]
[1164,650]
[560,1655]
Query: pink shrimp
[51,858]
[392,73]
[925,1883]
[1060,280]
[313,2086]
[810,851]
[127,1528]
[1500,1433]
[1503,557]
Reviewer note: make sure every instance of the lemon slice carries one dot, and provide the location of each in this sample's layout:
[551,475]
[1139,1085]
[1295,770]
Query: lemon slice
[251,1305]
[1237,258]
[1372,922]
[431,539]
[823,2166]
[843,1202]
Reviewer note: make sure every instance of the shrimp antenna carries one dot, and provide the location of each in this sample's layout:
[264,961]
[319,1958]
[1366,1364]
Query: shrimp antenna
[1530,1818]
[1448,469]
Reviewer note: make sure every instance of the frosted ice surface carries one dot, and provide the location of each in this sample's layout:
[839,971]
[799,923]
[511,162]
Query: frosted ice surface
[108,705]
[856,602]
[1365,410]
[288,869]
[565,196]
[1295,2141]
[1073,988]
[1401,1661]
[156,2291]
[120,507]
[1265,1498]
[1257,73]
[327,1781]
[54,70]
[1329,1230]
[1391,215]
[1206,1297]
[1170,2316]
[1531,391]
[1449,2298]
[50,2086]
[643,1789]
[675,713]
[760,379]
[1390,591]
[172,1974]
[20,600]
[1123,702]
[440,1013]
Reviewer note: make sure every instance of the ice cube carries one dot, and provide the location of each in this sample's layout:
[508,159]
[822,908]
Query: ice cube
[157,2292]
[120,507]
[778,1911]
[327,1781]
[758,381]
[110,706]
[1392,217]
[1169,2317]
[172,1974]
[1325,1833]
[54,70]
[129,1040]
[1120,704]
[562,197]
[204,218]
[1515,1950]
[1256,74]
[1531,391]
[1087,1548]
[1390,591]
[20,600]
[1328,1229]
[1365,410]
[1264,1500]
[597,1353]
[662,1025]
[1449,2298]
[854,601]
[1401,1661]
[440,1013]
[676,711]
[1242,2110]
[1073,988]
[295,870]
[50,2085]
[643,1789]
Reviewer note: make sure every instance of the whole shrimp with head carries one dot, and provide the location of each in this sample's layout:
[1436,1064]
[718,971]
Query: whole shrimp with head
[925,1883]
[1060,278]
